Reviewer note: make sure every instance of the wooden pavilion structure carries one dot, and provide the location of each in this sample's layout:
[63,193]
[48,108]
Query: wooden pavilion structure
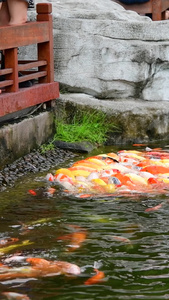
[41,70]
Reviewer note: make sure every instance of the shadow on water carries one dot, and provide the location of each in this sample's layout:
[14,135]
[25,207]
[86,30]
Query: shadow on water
[128,244]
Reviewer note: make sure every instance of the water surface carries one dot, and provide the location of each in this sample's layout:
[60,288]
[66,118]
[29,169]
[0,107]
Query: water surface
[135,268]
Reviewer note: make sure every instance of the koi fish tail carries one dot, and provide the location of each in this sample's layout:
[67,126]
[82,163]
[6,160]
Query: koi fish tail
[96,278]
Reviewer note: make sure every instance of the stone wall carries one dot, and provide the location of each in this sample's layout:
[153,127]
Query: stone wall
[102,50]
[21,137]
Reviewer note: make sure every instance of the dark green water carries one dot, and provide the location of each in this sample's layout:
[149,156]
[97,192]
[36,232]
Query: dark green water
[138,269]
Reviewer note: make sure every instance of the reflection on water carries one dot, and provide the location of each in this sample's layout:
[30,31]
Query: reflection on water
[118,237]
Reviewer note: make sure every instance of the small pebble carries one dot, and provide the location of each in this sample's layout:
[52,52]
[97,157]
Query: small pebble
[32,162]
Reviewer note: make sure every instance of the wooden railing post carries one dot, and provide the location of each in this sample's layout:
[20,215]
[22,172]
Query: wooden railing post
[11,61]
[156,10]
[45,50]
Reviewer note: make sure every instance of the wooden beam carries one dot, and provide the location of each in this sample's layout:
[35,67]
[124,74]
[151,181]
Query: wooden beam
[11,61]
[28,97]
[45,50]
[23,35]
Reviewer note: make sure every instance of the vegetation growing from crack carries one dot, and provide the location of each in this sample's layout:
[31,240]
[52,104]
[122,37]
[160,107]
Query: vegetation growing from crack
[84,126]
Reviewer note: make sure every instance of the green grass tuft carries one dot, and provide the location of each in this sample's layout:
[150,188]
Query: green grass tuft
[92,127]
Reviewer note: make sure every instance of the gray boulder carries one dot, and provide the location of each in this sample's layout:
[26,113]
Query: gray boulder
[103,50]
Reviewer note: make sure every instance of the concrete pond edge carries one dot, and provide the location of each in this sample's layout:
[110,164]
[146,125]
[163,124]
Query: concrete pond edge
[139,122]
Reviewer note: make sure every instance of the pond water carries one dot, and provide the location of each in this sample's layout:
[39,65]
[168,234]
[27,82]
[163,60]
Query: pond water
[135,266]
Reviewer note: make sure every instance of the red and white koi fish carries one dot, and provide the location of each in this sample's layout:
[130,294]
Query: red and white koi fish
[52,267]
[49,177]
[8,241]
[15,258]
[40,268]
[15,296]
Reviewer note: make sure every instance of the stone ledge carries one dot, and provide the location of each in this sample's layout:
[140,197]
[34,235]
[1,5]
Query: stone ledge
[19,139]
[139,121]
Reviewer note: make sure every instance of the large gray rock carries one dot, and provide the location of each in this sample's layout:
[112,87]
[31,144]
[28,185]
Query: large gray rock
[105,51]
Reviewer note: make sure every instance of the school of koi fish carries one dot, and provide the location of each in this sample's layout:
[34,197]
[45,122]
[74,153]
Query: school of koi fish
[125,173]
[121,174]
[36,267]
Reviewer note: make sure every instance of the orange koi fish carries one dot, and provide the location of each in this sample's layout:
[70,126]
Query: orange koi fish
[50,191]
[96,278]
[96,161]
[156,169]
[1,265]
[74,226]
[76,239]
[88,164]
[82,167]
[98,189]
[124,179]
[32,192]
[153,180]
[144,163]
[86,195]
[15,296]
[113,156]
[65,237]
[139,145]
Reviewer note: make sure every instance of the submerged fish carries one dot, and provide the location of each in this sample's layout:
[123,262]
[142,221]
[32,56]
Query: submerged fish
[53,267]
[98,278]
[75,238]
[15,296]
[157,207]
[40,268]
[32,192]
[50,191]
[124,173]
[8,241]
[11,247]
[120,239]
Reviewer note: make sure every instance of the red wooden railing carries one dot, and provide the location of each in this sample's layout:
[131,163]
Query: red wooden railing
[13,98]
[155,7]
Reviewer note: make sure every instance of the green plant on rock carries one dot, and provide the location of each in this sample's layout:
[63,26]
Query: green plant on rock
[47,147]
[84,126]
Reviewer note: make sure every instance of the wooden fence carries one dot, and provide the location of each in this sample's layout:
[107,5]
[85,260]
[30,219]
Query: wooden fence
[12,97]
